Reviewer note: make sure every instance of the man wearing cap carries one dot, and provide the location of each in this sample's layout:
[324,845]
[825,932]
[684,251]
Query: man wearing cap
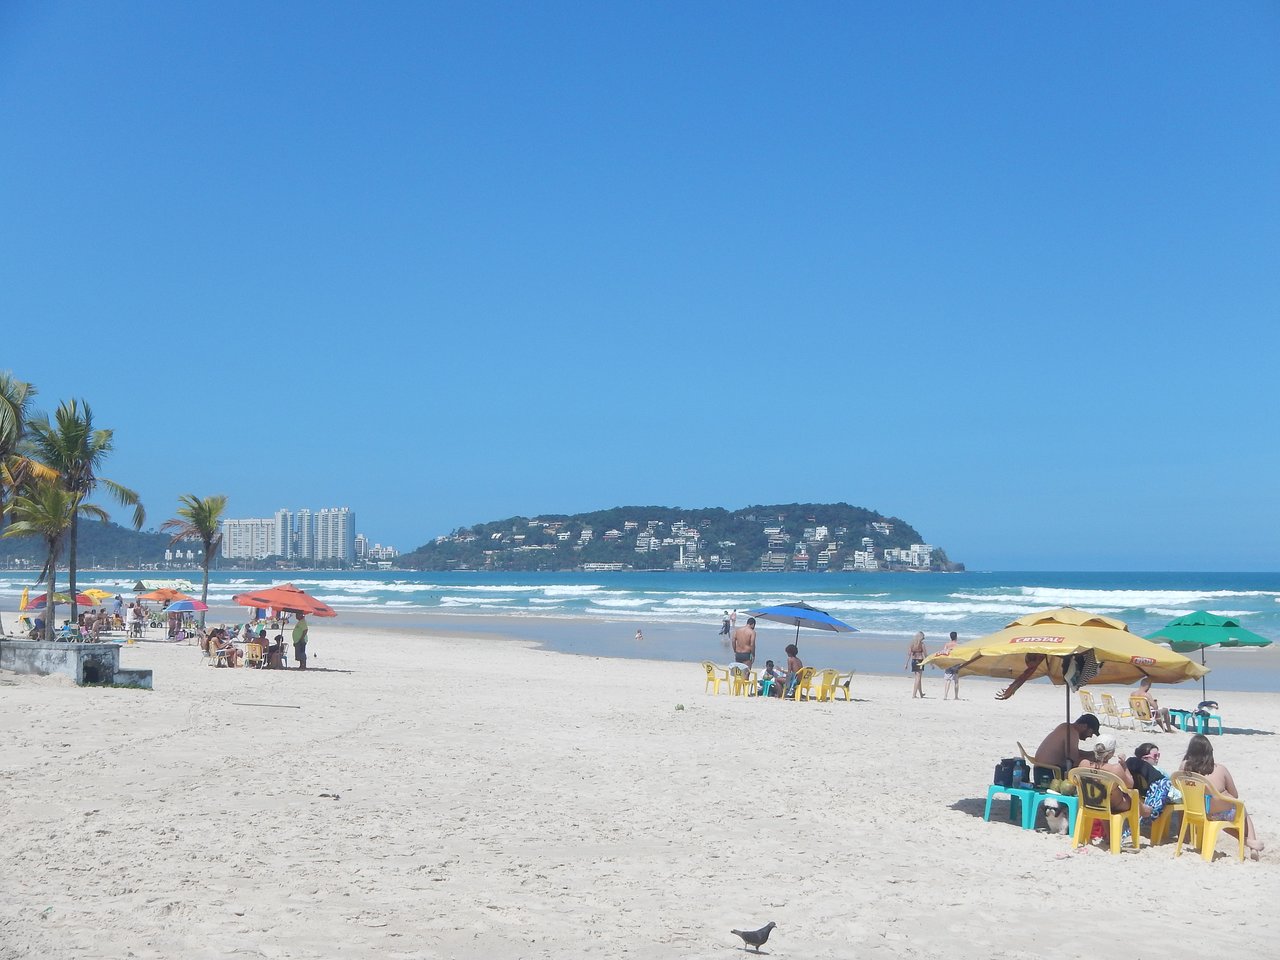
[1061,748]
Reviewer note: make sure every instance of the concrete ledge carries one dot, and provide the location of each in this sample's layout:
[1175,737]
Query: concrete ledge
[133,678]
[97,663]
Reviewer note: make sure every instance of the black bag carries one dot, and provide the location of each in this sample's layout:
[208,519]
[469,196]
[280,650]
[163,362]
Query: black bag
[1004,772]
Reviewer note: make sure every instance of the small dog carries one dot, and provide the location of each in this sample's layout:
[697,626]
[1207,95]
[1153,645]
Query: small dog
[1058,819]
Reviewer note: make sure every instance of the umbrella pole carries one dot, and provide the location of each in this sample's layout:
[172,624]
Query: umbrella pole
[1204,693]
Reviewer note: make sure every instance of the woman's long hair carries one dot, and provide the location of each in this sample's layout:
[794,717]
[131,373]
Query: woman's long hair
[1199,758]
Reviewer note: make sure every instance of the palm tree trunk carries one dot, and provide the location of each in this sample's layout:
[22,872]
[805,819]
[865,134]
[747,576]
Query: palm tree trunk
[204,591]
[48,597]
[71,560]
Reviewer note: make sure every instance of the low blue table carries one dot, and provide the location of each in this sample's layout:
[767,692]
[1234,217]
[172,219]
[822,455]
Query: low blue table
[1029,801]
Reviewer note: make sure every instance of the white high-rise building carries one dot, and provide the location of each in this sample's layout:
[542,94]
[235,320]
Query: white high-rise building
[248,539]
[304,544]
[283,534]
[335,535]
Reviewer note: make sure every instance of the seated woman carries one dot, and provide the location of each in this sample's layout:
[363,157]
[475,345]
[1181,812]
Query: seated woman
[219,644]
[273,654]
[1199,759]
[794,666]
[1149,780]
[1104,758]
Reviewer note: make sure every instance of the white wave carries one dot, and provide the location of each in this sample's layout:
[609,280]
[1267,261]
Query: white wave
[573,590]
[1131,599]
[448,600]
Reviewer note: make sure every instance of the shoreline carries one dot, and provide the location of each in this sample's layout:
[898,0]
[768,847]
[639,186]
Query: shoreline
[868,653]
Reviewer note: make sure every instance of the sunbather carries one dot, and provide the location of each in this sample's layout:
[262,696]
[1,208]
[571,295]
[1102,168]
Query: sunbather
[1199,759]
[1105,758]
[1158,713]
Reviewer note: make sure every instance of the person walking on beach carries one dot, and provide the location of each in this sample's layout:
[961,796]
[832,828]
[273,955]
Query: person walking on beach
[724,626]
[952,673]
[915,663]
[300,642]
[744,643]
[733,621]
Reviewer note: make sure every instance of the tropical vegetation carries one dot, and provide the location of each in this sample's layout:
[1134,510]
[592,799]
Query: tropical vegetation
[72,446]
[199,518]
[47,510]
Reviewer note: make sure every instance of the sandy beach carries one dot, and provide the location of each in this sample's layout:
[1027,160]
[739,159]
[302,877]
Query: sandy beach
[488,799]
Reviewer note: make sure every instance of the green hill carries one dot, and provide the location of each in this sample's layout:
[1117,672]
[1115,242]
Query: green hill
[100,544]
[795,536]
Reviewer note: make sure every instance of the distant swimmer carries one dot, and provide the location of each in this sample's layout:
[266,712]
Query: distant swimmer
[639,635]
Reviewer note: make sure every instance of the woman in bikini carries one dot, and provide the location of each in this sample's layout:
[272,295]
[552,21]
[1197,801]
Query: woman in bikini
[1199,759]
[915,662]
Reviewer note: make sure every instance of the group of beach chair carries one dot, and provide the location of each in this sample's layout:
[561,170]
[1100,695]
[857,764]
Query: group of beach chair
[1139,714]
[1090,804]
[809,684]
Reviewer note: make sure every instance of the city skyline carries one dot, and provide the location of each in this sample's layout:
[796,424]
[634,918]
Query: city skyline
[319,536]
[1006,271]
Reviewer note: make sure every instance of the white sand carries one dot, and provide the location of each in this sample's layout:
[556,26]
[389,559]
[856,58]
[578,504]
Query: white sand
[501,801]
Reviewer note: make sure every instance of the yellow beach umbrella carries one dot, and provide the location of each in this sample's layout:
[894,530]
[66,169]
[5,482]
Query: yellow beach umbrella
[1056,635]
[1052,642]
[98,595]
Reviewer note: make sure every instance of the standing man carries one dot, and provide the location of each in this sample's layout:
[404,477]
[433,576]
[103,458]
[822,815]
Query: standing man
[952,673]
[300,642]
[744,643]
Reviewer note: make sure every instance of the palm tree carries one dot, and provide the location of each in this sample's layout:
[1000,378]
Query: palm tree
[76,450]
[15,400]
[47,510]
[199,518]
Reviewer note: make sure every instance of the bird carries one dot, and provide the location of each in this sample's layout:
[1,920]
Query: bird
[756,938]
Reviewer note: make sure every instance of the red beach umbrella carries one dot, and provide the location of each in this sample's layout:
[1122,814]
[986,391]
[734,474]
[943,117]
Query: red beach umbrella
[286,598]
[82,600]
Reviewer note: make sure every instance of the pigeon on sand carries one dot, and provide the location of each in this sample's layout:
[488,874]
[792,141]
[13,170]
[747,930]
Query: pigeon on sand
[756,938]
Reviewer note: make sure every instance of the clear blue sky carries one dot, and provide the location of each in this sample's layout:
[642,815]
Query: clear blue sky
[1008,271]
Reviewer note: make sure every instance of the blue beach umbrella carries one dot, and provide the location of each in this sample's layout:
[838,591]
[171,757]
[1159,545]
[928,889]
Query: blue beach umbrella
[802,615]
[186,606]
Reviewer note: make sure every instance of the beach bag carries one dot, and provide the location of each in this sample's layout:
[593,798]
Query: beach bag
[1004,772]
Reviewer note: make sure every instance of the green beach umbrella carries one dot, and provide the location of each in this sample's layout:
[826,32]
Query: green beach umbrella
[1198,630]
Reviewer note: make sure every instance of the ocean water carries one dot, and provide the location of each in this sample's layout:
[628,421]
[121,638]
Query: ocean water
[679,613]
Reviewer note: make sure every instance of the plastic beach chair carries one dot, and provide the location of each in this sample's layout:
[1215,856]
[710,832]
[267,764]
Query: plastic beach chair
[1093,790]
[1196,794]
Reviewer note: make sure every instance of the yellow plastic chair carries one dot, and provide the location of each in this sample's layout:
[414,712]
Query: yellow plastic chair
[1086,702]
[843,682]
[1140,710]
[804,684]
[1196,791]
[715,677]
[743,682]
[1113,712]
[253,654]
[825,681]
[1160,825]
[1093,790]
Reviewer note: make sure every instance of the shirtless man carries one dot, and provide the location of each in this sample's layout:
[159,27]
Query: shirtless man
[744,643]
[1061,748]
[1158,713]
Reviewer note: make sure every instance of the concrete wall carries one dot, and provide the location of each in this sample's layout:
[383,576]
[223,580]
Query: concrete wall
[83,662]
